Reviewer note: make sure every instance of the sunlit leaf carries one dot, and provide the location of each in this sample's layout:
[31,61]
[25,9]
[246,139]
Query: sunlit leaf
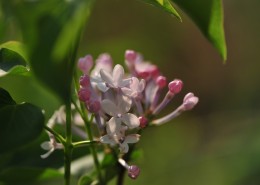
[208,16]
[20,123]
[13,59]
[51,31]
[165,5]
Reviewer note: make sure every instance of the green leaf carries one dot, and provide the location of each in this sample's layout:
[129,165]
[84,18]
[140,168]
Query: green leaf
[51,31]
[166,6]
[13,59]
[208,16]
[30,176]
[85,180]
[5,98]
[20,123]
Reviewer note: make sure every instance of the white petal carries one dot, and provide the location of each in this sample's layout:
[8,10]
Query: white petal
[127,91]
[114,126]
[109,107]
[130,120]
[118,74]
[107,139]
[102,87]
[47,154]
[125,82]
[150,91]
[106,77]
[132,138]
[47,145]
[141,85]
[124,147]
[123,103]
[135,84]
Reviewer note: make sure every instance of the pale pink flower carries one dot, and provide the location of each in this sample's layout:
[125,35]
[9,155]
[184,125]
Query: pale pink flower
[50,146]
[135,88]
[116,79]
[119,114]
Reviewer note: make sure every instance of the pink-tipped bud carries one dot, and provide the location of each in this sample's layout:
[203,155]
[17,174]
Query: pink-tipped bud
[85,64]
[143,121]
[189,101]
[175,86]
[161,81]
[133,171]
[84,94]
[104,59]
[93,106]
[84,81]
[130,56]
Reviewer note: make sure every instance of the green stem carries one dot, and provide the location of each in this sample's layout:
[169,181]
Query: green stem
[83,143]
[57,136]
[92,147]
[68,146]
[89,132]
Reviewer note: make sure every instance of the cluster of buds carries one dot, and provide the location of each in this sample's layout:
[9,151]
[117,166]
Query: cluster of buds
[125,103]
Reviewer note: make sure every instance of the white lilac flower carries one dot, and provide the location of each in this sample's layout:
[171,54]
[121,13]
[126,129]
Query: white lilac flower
[115,80]
[104,62]
[119,113]
[120,139]
[135,88]
[50,146]
[131,138]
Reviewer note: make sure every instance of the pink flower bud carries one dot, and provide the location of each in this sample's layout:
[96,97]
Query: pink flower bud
[143,121]
[161,81]
[130,56]
[93,106]
[84,94]
[133,171]
[175,86]
[85,64]
[104,59]
[84,81]
[190,101]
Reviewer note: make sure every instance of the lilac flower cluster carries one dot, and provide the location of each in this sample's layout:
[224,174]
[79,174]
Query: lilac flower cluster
[125,103]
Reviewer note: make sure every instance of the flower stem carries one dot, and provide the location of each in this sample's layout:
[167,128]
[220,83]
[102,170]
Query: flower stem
[68,146]
[57,136]
[83,143]
[89,132]
[92,147]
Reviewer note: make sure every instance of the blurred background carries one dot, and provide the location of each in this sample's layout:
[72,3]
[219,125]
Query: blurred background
[217,143]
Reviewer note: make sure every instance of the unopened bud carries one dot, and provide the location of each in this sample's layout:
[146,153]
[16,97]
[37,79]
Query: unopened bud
[93,106]
[175,86]
[190,101]
[84,81]
[130,56]
[161,81]
[84,94]
[133,171]
[143,121]
[85,64]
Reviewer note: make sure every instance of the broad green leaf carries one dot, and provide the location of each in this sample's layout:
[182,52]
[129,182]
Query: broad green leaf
[13,59]
[30,176]
[208,16]
[17,47]
[20,123]
[51,31]
[165,5]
